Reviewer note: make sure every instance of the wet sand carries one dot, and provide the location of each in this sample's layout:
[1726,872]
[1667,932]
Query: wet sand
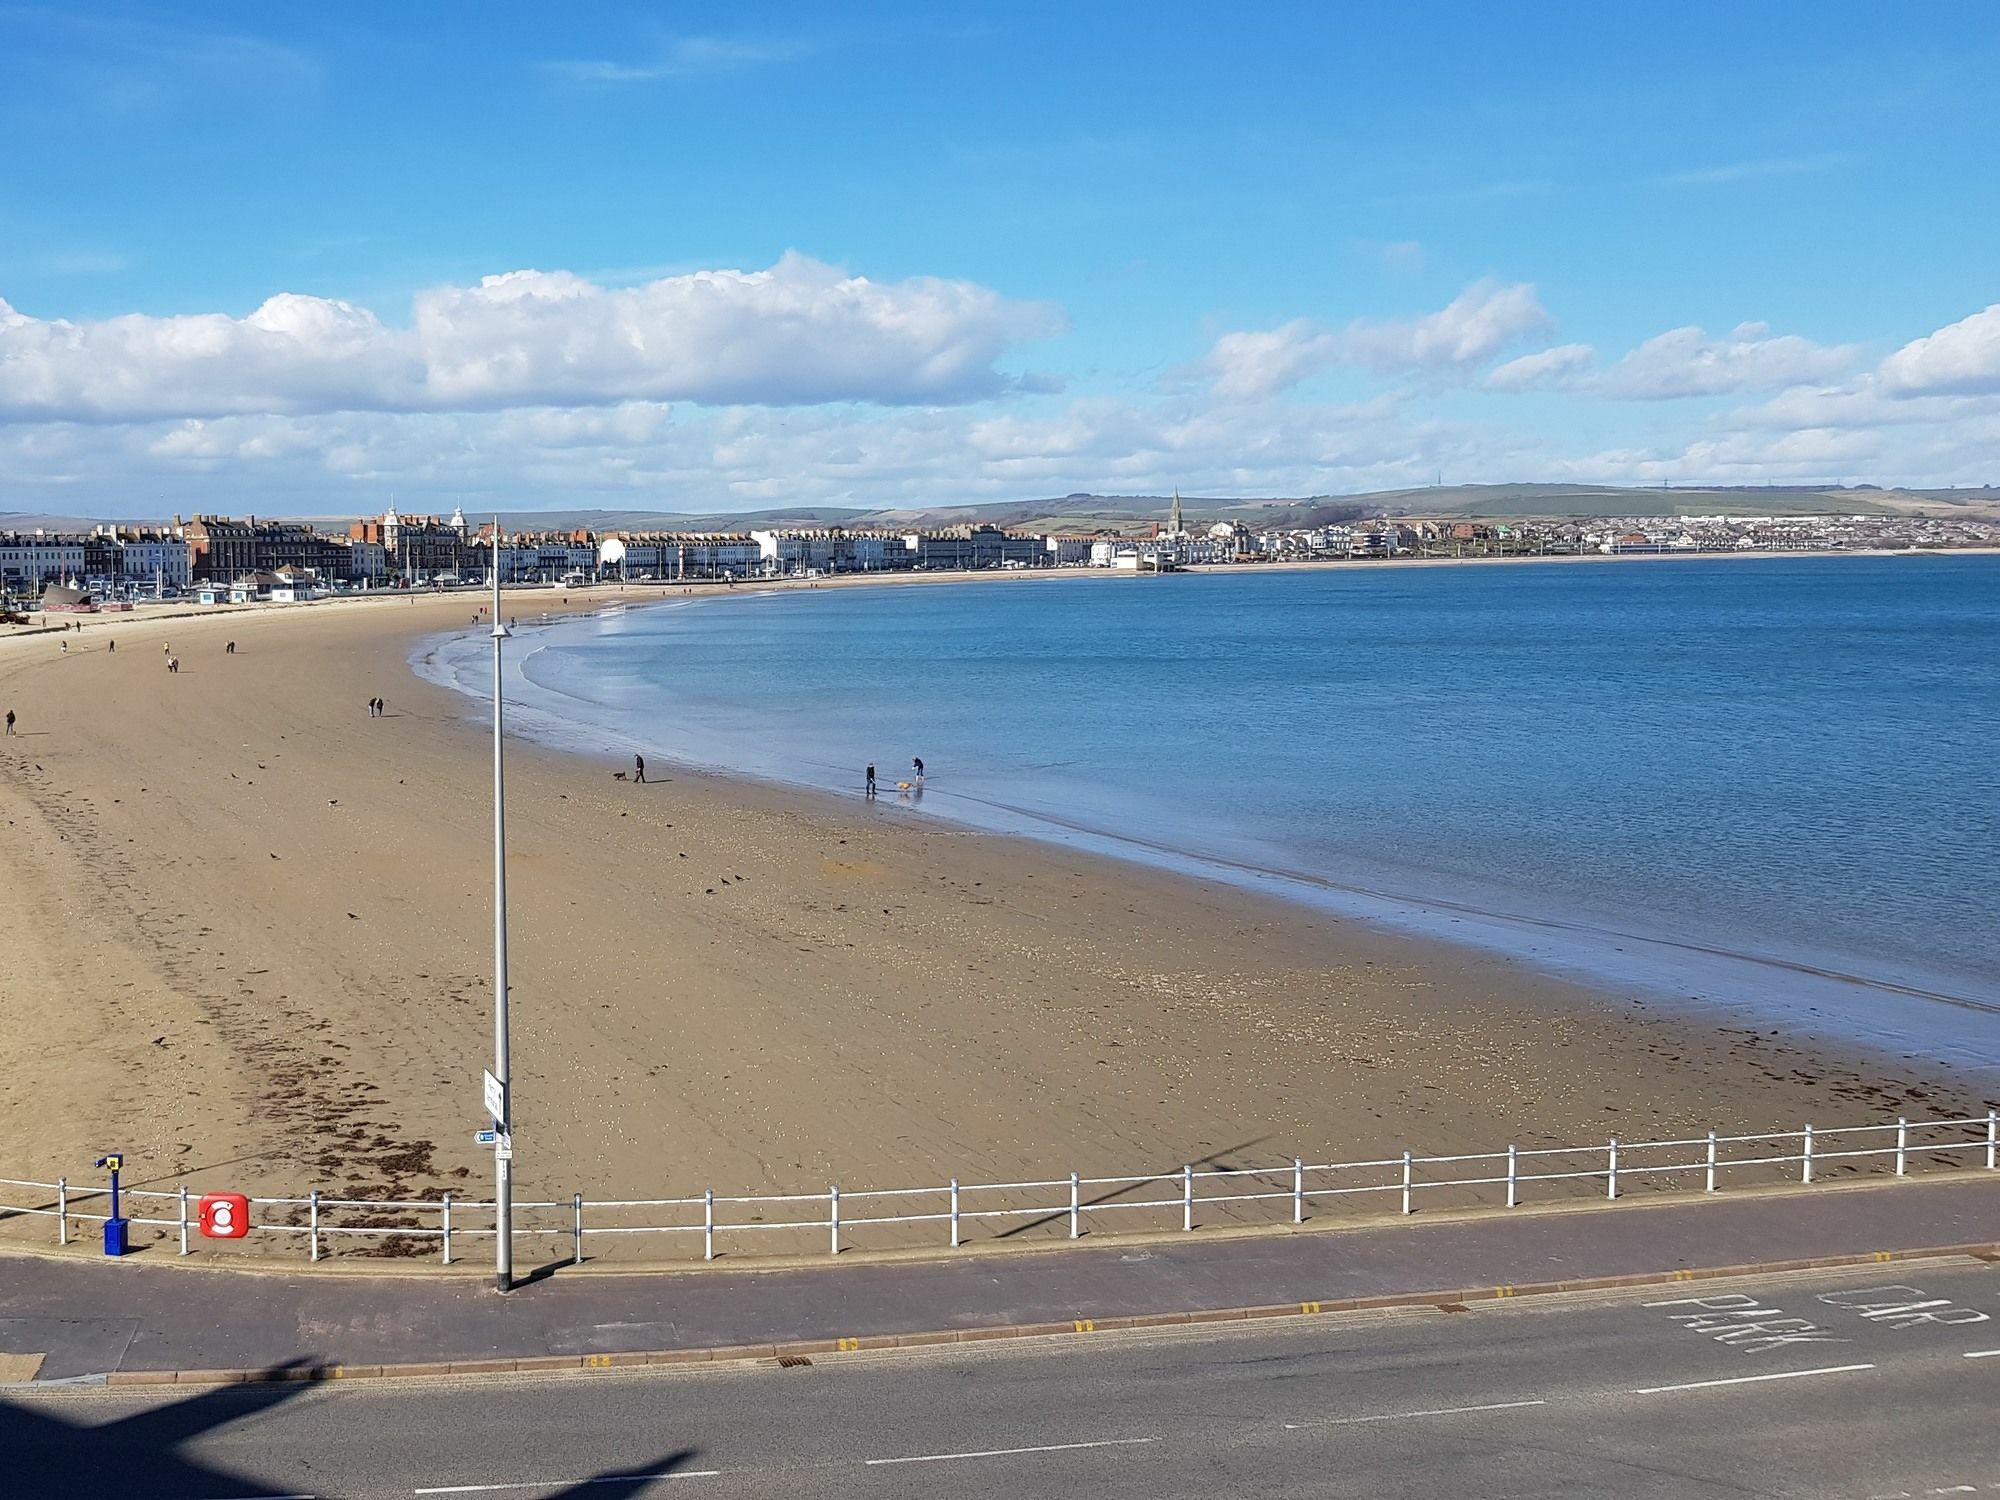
[246,935]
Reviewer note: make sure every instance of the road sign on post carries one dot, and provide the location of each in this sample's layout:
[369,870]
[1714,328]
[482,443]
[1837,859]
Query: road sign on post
[496,1099]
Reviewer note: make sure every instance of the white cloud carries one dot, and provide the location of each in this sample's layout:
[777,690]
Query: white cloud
[1546,369]
[541,389]
[1478,323]
[1810,456]
[1687,362]
[800,332]
[294,353]
[1756,171]
[636,456]
[126,67]
[686,57]
[1253,364]
[1961,357]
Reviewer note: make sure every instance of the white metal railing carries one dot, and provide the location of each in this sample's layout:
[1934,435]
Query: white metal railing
[1280,1192]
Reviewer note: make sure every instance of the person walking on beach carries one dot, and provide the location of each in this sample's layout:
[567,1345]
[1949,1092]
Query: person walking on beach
[230,649]
[918,762]
[110,646]
[639,769]
[10,721]
[871,778]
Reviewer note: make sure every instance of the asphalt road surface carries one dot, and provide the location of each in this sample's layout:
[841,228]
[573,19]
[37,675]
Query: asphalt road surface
[1847,1385]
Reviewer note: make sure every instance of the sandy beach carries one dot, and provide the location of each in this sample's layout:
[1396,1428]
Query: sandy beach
[246,931]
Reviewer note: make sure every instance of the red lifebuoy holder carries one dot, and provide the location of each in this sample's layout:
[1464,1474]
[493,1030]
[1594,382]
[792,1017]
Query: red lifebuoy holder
[225,1216]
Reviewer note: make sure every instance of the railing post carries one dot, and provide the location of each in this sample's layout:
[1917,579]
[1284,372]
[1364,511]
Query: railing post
[447,1229]
[1611,1178]
[708,1224]
[1711,1163]
[312,1212]
[1805,1156]
[1187,1196]
[833,1216]
[1992,1137]
[1075,1206]
[1298,1190]
[954,1213]
[1902,1146]
[1513,1176]
[184,1218]
[1408,1175]
[576,1259]
[62,1210]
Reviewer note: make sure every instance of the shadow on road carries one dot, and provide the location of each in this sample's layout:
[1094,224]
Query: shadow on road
[137,1454]
[144,1452]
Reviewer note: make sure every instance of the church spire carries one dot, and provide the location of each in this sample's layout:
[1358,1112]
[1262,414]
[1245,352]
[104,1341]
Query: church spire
[1174,516]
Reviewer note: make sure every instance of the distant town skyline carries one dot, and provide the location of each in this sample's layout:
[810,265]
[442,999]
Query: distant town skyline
[735,257]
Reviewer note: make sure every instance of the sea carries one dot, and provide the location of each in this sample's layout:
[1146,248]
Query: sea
[1765,786]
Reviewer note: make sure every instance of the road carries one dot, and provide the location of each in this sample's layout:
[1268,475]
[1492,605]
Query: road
[1828,1385]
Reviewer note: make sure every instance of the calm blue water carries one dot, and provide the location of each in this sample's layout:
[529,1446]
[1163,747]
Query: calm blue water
[1728,771]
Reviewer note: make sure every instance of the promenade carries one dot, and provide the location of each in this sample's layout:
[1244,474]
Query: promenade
[63,1317]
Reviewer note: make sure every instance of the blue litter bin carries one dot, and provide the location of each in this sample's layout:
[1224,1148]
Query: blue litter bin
[114,1236]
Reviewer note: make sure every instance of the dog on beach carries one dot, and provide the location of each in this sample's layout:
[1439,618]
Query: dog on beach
[617,775]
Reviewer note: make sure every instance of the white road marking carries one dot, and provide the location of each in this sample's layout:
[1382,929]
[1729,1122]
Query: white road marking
[1702,1385]
[1984,1354]
[933,1458]
[551,1484]
[1397,1416]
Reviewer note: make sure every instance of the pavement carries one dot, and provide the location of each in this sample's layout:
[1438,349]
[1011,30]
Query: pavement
[69,1317]
[1871,1383]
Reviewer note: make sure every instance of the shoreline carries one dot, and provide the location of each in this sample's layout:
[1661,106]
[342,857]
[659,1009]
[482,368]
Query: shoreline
[1813,994]
[249,930]
[153,611]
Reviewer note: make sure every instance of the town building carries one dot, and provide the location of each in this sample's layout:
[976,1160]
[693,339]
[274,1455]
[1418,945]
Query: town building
[30,559]
[420,549]
[221,549]
[144,555]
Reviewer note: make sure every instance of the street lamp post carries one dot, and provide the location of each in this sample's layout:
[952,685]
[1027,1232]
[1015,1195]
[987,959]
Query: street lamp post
[503,1121]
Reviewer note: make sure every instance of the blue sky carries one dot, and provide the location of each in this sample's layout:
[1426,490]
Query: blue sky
[727,256]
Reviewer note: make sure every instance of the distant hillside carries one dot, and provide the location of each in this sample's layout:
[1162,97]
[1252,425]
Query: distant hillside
[1078,513]
[1088,513]
[22,520]
[1551,500]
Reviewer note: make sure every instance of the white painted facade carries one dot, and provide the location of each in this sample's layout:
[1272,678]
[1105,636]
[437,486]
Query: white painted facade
[169,560]
[38,560]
